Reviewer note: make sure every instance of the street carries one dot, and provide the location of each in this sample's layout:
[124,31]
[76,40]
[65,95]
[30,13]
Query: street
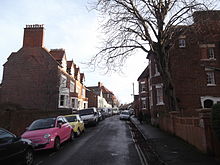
[109,143]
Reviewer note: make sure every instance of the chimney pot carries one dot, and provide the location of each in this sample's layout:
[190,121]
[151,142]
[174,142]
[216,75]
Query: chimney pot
[33,35]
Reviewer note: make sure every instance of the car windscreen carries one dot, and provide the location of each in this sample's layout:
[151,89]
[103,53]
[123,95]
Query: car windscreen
[86,112]
[71,118]
[125,113]
[42,124]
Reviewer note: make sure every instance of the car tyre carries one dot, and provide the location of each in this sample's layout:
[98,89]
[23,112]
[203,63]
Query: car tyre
[57,144]
[71,136]
[29,157]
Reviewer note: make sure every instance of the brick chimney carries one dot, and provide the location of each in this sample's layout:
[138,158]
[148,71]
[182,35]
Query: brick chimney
[33,36]
[100,84]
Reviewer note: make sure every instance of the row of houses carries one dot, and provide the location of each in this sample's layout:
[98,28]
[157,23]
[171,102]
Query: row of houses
[195,70]
[37,78]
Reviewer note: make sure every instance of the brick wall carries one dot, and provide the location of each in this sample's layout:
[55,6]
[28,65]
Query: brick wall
[17,120]
[194,130]
[31,79]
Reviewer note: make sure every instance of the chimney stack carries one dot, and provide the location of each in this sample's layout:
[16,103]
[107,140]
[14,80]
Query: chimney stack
[33,36]
[100,84]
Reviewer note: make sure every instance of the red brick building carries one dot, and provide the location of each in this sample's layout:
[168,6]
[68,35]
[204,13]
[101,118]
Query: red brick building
[36,78]
[100,97]
[195,70]
[194,65]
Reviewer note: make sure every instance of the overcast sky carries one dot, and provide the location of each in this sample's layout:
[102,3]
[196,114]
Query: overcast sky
[69,25]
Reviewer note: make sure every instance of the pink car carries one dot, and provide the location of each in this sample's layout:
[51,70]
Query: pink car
[49,133]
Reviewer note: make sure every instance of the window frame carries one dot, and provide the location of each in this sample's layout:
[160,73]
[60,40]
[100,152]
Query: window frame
[182,43]
[159,95]
[210,77]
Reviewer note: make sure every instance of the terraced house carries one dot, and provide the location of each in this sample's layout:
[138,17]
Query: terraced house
[37,78]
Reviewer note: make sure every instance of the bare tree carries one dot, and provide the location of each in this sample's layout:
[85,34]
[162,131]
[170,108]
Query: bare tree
[148,25]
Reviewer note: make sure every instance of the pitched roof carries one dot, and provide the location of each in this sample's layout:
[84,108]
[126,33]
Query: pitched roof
[57,54]
[105,90]
[144,74]
[69,64]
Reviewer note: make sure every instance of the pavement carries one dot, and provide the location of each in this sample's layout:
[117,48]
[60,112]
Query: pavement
[171,149]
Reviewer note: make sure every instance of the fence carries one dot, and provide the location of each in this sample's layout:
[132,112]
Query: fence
[194,130]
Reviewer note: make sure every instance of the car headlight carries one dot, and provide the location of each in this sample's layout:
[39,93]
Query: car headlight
[46,136]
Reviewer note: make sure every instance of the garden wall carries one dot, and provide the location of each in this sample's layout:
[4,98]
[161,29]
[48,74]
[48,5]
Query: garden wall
[16,121]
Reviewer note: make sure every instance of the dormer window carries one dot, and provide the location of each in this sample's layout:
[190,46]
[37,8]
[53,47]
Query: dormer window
[182,43]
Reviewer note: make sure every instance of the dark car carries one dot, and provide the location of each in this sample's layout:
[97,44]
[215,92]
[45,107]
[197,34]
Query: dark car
[15,150]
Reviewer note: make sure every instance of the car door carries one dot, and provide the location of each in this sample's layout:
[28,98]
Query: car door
[66,127]
[61,130]
[80,122]
[10,147]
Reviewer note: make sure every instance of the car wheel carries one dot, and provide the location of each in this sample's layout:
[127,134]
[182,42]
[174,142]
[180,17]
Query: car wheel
[71,136]
[57,144]
[78,132]
[29,157]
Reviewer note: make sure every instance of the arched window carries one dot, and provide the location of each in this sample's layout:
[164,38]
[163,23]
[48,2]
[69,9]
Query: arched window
[208,103]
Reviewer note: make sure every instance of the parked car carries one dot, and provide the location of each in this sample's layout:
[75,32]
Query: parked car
[89,116]
[77,123]
[49,133]
[124,115]
[115,111]
[15,150]
[100,117]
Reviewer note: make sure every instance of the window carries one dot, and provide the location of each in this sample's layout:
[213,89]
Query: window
[210,78]
[156,71]
[159,92]
[143,101]
[208,103]
[5,137]
[182,43]
[143,87]
[85,105]
[211,54]
[63,81]
[62,100]
[72,86]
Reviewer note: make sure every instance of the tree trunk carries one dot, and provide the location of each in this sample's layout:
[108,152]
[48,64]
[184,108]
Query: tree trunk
[162,60]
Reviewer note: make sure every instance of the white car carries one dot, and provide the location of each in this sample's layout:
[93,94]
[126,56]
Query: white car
[124,115]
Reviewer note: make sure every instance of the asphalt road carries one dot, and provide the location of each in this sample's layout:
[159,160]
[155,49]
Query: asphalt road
[109,143]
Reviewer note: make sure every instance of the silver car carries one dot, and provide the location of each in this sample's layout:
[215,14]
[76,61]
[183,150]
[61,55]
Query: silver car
[124,115]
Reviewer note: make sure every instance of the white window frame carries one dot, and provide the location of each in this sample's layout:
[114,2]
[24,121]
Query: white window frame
[65,101]
[210,78]
[74,101]
[143,102]
[72,86]
[157,73]
[211,53]
[182,43]
[143,86]
[159,93]
[63,81]
[214,99]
